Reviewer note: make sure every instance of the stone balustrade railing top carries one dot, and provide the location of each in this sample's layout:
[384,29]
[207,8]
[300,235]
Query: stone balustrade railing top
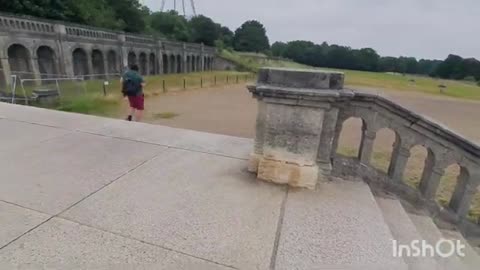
[299,122]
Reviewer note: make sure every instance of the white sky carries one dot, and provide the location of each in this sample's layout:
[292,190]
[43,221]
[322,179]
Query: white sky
[420,28]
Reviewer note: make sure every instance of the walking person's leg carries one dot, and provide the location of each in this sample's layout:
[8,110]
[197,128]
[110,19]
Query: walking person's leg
[140,107]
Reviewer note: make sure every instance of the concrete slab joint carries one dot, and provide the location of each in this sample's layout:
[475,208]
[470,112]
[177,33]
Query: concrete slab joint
[289,132]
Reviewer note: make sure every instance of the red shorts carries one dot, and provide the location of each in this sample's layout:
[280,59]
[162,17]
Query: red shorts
[137,102]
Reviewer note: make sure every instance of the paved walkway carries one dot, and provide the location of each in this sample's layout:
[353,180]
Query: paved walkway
[82,192]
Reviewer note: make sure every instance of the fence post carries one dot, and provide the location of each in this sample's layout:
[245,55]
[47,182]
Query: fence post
[184,84]
[201,82]
[163,86]
[105,88]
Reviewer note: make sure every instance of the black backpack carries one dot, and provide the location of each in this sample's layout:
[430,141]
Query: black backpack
[130,87]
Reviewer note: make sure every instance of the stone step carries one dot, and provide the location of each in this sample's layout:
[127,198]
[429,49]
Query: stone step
[472,258]
[404,231]
[430,232]
[337,226]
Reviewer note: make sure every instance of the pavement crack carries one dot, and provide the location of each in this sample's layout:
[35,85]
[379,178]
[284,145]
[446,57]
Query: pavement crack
[279,230]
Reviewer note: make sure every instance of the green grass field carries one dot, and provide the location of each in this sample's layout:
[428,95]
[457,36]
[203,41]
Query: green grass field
[95,102]
[376,80]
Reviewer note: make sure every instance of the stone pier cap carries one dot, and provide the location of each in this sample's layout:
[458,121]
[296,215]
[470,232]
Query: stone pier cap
[294,111]
[298,83]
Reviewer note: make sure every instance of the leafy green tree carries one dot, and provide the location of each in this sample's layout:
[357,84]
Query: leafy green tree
[130,14]
[226,35]
[170,25]
[204,30]
[92,12]
[279,48]
[251,37]
[50,9]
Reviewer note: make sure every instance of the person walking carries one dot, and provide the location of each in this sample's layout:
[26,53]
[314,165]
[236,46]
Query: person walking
[132,88]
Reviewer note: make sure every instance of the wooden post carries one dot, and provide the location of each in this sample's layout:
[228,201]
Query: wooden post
[184,84]
[163,86]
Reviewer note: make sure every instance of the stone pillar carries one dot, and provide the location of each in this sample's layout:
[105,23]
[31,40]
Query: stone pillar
[6,71]
[35,70]
[294,108]
[202,57]
[398,162]
[366,146]
[327,144]
[463,194]
[89,64]
[431,176]
[106,66]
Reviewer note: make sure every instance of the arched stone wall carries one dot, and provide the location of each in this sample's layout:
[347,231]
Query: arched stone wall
[47,62]
[19,59]
[132,58]
[80,62]
[98,63]
[112,62]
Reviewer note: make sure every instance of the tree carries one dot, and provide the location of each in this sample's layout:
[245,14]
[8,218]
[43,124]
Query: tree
[279,48]
[204,30]
[226,36]
[130,13]
[251,37]
[170,25]
[50,9]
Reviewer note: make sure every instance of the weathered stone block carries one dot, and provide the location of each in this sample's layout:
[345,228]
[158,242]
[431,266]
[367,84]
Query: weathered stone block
[306,79]
[283,172]
[290,125]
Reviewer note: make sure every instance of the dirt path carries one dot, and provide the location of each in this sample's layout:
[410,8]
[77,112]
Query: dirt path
[232,111]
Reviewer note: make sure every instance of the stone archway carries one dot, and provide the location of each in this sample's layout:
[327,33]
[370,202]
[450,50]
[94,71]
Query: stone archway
[112,62]
[80,62]
[142,59]
[19,61]
[98,64]
[152,64]
[132,59]
[47,63]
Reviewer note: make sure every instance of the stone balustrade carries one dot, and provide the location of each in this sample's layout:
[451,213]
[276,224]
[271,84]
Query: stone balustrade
[33,48]
[300,118]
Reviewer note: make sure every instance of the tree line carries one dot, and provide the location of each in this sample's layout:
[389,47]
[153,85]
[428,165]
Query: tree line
[132,16]
[367,59]
[251,36]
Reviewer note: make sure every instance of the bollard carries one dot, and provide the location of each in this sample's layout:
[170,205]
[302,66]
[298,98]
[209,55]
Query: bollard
[215,80]
[237,78]
[184,84]
[201,82]
[163,86]
[227,79]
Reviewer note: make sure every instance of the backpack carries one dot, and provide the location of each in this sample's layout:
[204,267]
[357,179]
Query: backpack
[131,87]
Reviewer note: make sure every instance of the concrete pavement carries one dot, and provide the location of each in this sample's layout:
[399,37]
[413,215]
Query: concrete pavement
[83,192]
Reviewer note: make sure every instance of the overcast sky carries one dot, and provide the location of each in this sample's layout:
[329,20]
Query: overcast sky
[420,28]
